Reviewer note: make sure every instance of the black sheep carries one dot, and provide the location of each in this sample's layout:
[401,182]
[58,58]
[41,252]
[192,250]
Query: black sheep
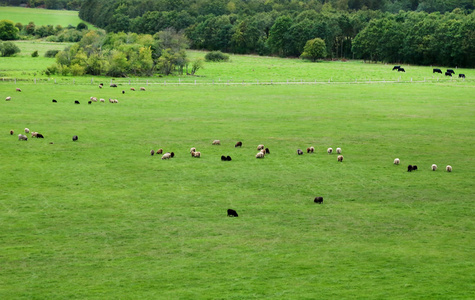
[238,144]
[409,168]
[232,213]
[228,158]
[75,138]
[39,136]
[318,200]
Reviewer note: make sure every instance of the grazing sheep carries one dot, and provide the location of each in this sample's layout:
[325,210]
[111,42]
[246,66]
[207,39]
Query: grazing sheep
[414,168]
[310,149]
[89,102]
[433,167]
[27,130]
[299,152]
[18,90]
[448,168]
[8,98]
[11,132]
[228,158]
[76,102]
[260,147]
[166,156]
[93,99]
[232,213]
[22,137]
[75,138]
[54,101]
[238,144]
[152,152]
[396,161]
[340,158]
[409,168]
[192,150]
[39,136]
[260,155]
[100,86]
[318,200]
[113,85]
[102,100]
[34,134]
[116,101]
[329,150]
[216,142]
[132,89]
[142,88]
[160,151]
[111,100]
[196,154]
[223,158]
[338,150]
[123,92]
[267,151]
[172,154]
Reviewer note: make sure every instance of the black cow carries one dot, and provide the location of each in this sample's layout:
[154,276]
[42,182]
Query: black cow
[436,71]
[39,136]
[409,168]
[450,71]
[238,144]
[401,70]
[461,75]
[223,158]
[448,74]
[75,138]
[318,200]
[228,158]
[396,68]
[113,85]
[232,213]
[54,101]
[76,102]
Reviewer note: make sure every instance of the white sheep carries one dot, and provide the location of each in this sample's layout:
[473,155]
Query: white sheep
[448,168]
[34,134]
[192,150]
[22,137]
[93,99]
[329,150]
[310,149]
[142,88]
[340,158]
[8,98]
[116,101]
[260,147]
[166,156]
[196,154]
[216,142]
[260,154]
[27,130]
[102,100]
[396,161]
[433,167]
[338,150]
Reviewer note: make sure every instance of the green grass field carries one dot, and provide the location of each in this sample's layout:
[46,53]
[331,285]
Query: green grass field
[101,218]
[41,16]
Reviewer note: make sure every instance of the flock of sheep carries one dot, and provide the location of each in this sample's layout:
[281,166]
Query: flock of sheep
[34,134]
[411,168]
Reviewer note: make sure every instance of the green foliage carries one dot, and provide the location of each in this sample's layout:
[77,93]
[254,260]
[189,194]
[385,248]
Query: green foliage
[81,26]
[314,49]
[196,64]
[8,30]
[35,53]
[216,56]
[8,49]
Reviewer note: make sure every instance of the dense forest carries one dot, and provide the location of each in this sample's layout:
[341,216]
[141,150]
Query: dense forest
[49,4]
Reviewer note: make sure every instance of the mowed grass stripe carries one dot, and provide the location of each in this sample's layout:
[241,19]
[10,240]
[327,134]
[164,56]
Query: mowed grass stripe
[100,217]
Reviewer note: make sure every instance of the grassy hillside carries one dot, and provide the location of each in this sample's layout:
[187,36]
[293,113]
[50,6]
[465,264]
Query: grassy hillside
[41,16]
[101,218]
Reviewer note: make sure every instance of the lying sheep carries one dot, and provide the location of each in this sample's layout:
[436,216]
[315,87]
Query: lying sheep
[192,150]
[216,142]
[196,154]
[260,155]
[27,130]
[166,156]
[22,137]
[340,158]
[160,151]
[448,168]
[310,150]
[329,150]
[338,150]
[8,98]
[260,147]
[396,161]
[433,167]
[299,152]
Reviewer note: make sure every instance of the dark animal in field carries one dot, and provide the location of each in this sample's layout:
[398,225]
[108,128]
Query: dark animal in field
[436,71]
[318,200]
[223,158]
[76,102]
[461,75]
[75,138]
[340,158]
[232,213]
[39,136]
[18,90]
[160,151]
[113,85]
[299,152]
[54,101]
[89,102]
[414,167]
[448,74]
[228,158]
[409,168]
[152,152]
[11,132]
[450,71]
[396,68]
[401,70]
[238,144]
[132,89]
[267,151]
[172,154]
[123,92]
[310,149]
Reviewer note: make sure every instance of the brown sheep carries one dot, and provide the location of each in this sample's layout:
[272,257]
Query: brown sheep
[11,132]
[196,154]
[18,90]
[310,150]
[142,88]
[152,152]
[216,142]
[160,151]
[340,158]
[238,144]
[132,89]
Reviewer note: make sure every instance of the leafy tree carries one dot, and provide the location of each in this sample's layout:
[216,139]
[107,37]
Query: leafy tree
[8,31]
[279,37]
[81,26]
[314,49]
[30,28]
[196,65]
[34,54]
[8,49]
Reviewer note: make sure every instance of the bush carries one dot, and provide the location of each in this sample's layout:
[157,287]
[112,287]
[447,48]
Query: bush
[52,38]
[216,56]
[77,70]
[34,54]
[8,49]
[81,26]
[51,53]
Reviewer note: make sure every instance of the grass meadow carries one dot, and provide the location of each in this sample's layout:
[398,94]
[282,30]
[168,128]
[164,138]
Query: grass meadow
[40,16]
[102,218]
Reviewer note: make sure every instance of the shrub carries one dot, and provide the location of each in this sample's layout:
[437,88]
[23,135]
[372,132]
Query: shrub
[216,56]
[8,49]
[34,54]
[52,38]
[81,26]
[51,53]
[77,70]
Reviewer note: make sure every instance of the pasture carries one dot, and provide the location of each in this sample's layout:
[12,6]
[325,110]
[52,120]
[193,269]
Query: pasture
[101,218]
[40,16]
